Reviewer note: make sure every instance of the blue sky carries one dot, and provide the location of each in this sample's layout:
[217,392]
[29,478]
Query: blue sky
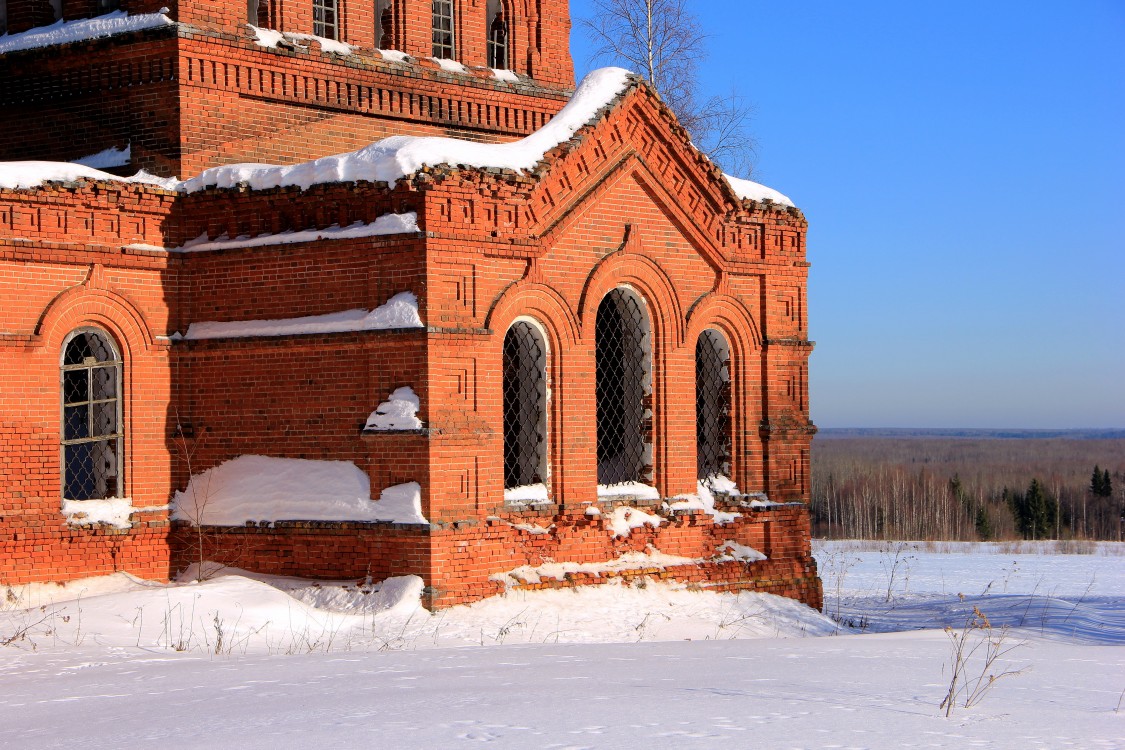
[962,167]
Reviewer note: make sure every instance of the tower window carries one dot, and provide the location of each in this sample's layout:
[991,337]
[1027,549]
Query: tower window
[498,42]
[92,433]
[384,31]
[444,41]
[326,21]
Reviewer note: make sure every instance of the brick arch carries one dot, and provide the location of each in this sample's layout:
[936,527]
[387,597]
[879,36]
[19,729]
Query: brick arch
[83,305]
[628,267]
[540,302]
[730,316]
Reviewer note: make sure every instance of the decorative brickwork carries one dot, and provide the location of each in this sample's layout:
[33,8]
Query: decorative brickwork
[626,204]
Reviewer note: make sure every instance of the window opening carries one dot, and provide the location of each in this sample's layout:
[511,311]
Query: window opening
[385,29]
[712,405]
[498,40]
[107,6]
[443,37]
[325,19]
[92,436]
[57,9]
[623,389]
[525,406]
[3,17]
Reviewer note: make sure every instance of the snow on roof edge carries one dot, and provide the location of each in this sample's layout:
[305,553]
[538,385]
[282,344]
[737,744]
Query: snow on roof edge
[753,191]
[28,175]
[64,32]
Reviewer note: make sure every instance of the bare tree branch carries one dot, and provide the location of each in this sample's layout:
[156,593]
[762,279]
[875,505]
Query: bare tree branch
[664,42]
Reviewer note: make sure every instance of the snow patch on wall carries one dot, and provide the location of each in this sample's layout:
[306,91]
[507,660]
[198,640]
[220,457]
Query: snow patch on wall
[63,32]
[383,225]
[114,511]
[624,519]
[265,488]
[704,499]
[108,158]
[401,503]
[401,311]
[399,412]
[398,156]
[752,191]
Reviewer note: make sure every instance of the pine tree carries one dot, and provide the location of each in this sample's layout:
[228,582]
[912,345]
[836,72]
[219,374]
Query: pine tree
[1096,481]
[1040,510]
[983,524]
[1107,484]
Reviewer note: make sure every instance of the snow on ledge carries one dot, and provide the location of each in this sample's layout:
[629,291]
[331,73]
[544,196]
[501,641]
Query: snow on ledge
[24,175]
[114,511]
[273,39]
[108,158]
[449,66]
[396,157]
[266,488]
[528,493]
[732,550]
[401,311]
[502,74]
[630,490]
[704,499]
[383,225]
[399,412]
[624,519]
[64,32]
[654,558]
[752,191]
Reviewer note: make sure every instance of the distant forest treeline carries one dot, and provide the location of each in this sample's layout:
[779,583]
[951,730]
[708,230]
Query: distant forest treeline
[966,488]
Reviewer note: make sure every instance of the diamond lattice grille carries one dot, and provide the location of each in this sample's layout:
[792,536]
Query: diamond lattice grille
[712,404]
[525,406]
[91,418]
[622,388]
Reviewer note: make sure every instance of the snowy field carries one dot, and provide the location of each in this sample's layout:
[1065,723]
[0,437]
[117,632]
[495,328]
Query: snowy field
[282,663]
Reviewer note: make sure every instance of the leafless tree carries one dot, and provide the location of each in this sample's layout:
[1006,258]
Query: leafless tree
[663,41]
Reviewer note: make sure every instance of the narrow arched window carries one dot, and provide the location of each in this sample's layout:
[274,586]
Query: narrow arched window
[525,406]
[92,433]
[444,40]
[623,389]
[326,20]
[712,405]
[498,40]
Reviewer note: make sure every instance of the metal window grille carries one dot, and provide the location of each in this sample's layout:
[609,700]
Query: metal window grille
[498,42]
[525,406]
[325,19]
[712,405]
[92,434]
[622,388]
[443,38]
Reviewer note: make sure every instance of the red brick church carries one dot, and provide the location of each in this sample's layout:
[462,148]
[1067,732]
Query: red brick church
[476,324]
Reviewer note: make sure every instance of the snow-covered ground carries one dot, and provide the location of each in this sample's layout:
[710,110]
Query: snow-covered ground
[265,662]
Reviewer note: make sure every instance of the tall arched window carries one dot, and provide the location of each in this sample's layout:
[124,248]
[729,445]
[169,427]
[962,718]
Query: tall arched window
[497,37]
[444,41]
[712,405]
[623,389]
[525,406]
[326,19]
[92,432]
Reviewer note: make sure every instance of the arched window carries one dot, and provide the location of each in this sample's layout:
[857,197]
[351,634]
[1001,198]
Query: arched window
[623,389]
[525,406]
[444,41]
[326,20]
[497,37]
[712,405]
[92,433]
